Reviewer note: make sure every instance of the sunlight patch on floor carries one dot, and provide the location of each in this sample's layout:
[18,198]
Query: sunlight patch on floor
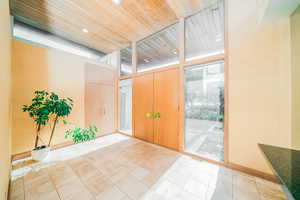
[23,166]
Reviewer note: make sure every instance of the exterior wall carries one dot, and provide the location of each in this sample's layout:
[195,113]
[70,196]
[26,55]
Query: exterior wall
[5,90]
[259,84]
[295,33]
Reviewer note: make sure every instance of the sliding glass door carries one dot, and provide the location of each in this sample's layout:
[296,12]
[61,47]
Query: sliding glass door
[125,106]
[204,110]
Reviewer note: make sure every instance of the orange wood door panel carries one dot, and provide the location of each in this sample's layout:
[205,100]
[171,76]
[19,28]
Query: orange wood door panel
[99,107]
[100,98]
[143,89]
[166,102]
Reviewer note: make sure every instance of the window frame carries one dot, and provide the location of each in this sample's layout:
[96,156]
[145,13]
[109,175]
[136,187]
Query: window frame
[153,68]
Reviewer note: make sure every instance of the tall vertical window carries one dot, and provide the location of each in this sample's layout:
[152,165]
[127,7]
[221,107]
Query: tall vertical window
[204,32]
[126,61]
[204,110]
[159,49]
[125,105]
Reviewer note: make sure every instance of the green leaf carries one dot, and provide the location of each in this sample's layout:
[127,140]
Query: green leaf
[81,134]
[44,104]
[70,99]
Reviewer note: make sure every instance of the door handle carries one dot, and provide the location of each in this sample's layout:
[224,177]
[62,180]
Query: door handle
[149,115]
[157,115]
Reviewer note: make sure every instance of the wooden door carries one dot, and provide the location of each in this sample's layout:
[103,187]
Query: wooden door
[100,98]
[142,104]
[100,107]
[166,101]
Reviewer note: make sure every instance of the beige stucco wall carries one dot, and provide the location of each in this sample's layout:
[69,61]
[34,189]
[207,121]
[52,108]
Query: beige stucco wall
[5,84]
[36,68]
[295,33]
[259,84]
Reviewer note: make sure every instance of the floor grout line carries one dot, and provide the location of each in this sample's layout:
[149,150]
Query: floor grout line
[257,188]
[232,187]
[56,189]
[23,186]
[82,182]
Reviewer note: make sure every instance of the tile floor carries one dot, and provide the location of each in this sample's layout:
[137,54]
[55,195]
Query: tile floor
[118,167]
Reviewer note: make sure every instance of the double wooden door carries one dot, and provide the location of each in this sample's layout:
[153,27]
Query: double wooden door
[99,98]
[156,108]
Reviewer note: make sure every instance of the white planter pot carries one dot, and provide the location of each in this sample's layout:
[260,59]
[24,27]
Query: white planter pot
[40,154]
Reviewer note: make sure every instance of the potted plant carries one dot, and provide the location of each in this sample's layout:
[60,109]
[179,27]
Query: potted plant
[46,107]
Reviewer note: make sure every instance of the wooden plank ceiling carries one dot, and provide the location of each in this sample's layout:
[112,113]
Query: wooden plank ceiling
[204,35]
[111,26]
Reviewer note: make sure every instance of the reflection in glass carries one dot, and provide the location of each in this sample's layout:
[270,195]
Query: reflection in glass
[126,61]
[159,49]
[204,32]
[125,102]
[204,110]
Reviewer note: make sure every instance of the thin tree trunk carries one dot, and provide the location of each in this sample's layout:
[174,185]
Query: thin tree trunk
[53,128]
[37,136]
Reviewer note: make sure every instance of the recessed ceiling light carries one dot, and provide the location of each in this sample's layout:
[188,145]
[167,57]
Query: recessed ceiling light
[117,1]
[84,30]
[175,51]
[146,60]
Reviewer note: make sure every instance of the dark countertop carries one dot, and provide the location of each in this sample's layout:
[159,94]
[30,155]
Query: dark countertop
[286,165]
